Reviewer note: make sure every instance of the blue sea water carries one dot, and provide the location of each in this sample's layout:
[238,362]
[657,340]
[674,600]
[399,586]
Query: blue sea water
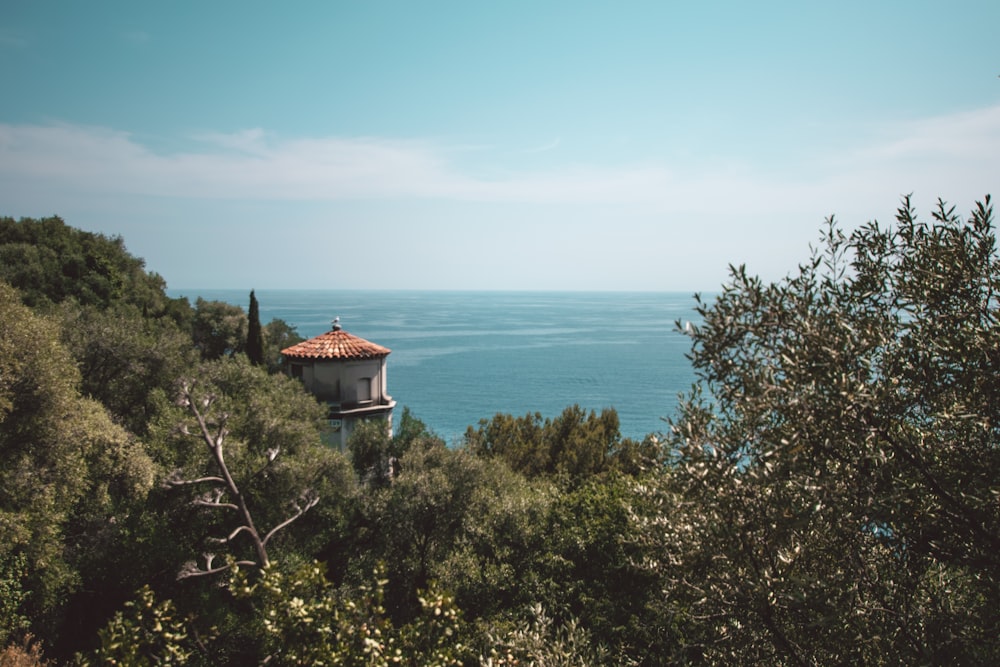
[458,357]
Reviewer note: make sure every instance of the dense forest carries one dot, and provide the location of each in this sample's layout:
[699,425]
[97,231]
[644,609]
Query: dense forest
[828,491]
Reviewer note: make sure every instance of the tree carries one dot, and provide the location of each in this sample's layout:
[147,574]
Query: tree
[573,445]
[375,454]
[147,632]
[278,334]
[125,358]
[833,493]
[266,416]
[261,433]
[300,619]
[589,566]
[255,335]
[306,621]
[411,521]
[70,474]
[224,493]
[50,262]
[540,642]
[13,574]
[238,451]
[219,329]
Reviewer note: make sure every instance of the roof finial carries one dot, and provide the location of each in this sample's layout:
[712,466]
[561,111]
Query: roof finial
[336,323]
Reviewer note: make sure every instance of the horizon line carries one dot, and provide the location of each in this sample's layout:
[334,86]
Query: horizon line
[454,290]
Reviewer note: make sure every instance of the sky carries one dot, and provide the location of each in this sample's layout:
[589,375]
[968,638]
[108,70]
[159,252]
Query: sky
[536,145]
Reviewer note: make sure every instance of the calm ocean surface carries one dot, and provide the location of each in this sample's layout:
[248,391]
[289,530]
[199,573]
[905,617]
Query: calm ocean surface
[458,357]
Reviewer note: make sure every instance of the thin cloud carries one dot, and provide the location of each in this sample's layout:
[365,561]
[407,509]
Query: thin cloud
[966,135]
[250,164]
[949,155]
[249,141]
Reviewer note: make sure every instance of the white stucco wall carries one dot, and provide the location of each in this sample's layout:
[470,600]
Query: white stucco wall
[340,381]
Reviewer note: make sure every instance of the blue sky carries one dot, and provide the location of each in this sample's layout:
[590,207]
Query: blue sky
[474,145]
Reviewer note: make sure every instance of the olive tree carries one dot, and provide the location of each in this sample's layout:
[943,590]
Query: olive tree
[834,494]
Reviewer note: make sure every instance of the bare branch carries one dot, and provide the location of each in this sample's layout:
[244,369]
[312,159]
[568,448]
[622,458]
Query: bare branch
[213,498]
[204,502]
[309,498]
[214,444]
[175,479]
[212,432]
[226,540]
[191,568]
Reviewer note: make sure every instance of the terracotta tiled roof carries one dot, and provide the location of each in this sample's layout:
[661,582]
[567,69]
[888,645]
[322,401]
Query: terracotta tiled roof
[336,344]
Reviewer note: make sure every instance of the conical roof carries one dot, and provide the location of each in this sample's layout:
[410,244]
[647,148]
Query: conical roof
[336,344]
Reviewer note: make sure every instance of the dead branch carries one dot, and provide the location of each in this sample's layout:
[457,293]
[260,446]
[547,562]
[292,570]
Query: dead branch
[212,432]
[191,568]
[310,501]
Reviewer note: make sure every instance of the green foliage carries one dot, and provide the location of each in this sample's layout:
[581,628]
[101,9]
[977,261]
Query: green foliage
[411,430]
[255,335]
[69,472]
[272,450]
[414,522]
[147,633]
[125,358]
[244,449]
[434,637]
[637,457]
[305,621]
[264,411]
[496,560]
[278,335]
[116,318]
[574,445]
[502,542]
[50,262]
[298,618]
[371,447]
[541,642]
[826,494]
[452,518]
[589,564]
[218,329]
[13,572]
[374,452]
[833,498]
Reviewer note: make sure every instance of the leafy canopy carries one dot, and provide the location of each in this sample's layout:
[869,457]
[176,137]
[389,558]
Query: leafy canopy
[834,491]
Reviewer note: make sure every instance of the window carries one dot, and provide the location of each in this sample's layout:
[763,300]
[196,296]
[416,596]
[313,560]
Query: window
[364,390]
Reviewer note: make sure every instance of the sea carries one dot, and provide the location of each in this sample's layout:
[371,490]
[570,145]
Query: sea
[459,357]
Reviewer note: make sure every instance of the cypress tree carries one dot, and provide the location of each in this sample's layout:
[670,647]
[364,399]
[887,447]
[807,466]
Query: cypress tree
[255,335]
